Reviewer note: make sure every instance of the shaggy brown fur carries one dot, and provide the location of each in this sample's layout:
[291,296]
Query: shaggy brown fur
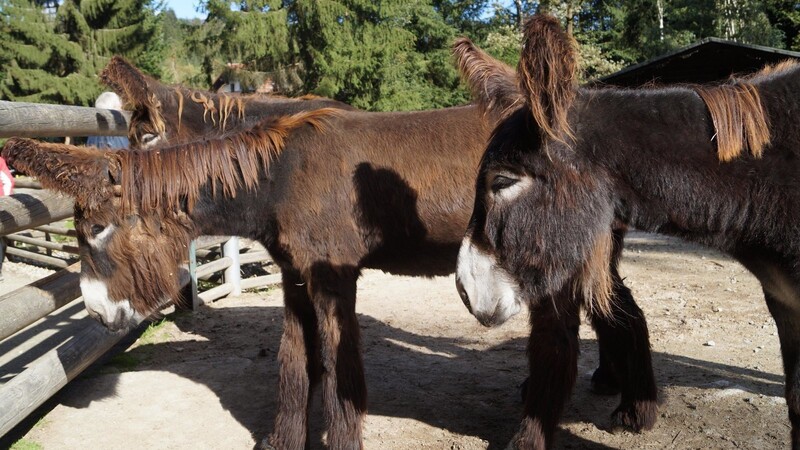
[548,73]
[382,190]
[739,119]
[487,79]
[163,178]
[177,113]
[646,158]
[68,167]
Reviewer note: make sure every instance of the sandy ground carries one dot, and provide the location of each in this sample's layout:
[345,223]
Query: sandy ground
[436,378]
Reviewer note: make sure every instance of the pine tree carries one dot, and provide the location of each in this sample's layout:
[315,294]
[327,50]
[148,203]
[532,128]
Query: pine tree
[52,53]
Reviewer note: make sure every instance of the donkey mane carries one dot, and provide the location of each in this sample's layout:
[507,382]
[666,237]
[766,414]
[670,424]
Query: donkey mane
[492,83]
[547,73]
[140,91]
[162,178]
[739,118]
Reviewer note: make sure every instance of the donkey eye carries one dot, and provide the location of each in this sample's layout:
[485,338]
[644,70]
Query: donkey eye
[500,182]
[97,229]
[149,138]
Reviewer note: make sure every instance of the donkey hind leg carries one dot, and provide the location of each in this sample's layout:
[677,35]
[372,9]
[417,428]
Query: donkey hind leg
[300,366]
[344,391]
[553,362]
[787,320]
[625,360]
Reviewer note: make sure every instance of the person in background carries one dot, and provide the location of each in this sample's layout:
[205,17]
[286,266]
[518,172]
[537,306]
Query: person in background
[108,100]
[6,188]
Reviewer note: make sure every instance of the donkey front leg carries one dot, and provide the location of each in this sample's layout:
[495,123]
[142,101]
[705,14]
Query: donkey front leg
[787,320]
[344,390]
[553,361]
[300,369]
[625,360]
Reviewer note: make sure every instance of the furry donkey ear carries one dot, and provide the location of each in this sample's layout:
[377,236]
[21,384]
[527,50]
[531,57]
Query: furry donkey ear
[127,81]
[548,73]
[493,83]
[81,172]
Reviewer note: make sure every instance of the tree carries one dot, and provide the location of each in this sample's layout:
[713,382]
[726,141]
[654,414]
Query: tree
[52,54]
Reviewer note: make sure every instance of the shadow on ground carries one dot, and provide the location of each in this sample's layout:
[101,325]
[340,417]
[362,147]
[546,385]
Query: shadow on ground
[442,382]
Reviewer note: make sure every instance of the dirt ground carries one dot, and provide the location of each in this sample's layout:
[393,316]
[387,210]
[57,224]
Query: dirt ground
[436,378]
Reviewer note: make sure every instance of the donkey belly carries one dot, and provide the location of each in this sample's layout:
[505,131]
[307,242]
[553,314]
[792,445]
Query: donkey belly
[415,259]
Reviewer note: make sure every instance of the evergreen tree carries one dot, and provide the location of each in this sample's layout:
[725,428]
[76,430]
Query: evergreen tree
[52,53]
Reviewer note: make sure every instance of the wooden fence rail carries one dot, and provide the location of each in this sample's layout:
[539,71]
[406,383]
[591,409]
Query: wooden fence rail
[27,382]
[38,120]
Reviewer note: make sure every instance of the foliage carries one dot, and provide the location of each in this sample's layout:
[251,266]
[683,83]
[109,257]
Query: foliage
[53,55]
[387,55]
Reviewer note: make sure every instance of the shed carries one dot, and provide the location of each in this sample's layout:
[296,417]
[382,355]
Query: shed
[711,59]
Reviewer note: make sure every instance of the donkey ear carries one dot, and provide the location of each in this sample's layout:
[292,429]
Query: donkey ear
[81,172]
[493,84]
[127,81]
[547,74]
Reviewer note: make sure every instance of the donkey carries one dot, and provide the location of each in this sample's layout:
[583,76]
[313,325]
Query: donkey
[327,192]
[163,113]
[625,361]
[717,165]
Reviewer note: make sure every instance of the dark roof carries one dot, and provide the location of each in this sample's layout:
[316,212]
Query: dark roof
[711,59]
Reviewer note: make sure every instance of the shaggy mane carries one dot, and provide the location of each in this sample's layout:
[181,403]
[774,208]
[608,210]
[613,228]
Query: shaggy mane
[740,121]
[547,74]
[492,83]
[161,179]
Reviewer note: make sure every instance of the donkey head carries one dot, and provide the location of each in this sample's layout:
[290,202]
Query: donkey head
[542,215]
[130,258]
[135,210]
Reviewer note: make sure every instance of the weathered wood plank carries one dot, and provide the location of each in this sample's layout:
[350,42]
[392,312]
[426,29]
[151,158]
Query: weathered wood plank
[67,248]
[31,208]
[26,305]
[41,120]
[52,371]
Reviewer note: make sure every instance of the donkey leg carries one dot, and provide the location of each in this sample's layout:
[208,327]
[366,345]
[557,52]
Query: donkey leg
[787,320]
[625,346]
[553,361]
[344,391]
[299,363]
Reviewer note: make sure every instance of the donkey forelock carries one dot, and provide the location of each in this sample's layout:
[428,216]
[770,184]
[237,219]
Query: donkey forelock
[548,74]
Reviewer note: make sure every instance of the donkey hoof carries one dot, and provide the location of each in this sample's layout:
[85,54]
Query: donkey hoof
[604,383]
[636,417]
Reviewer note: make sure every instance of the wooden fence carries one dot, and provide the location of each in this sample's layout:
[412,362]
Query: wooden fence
[37,356]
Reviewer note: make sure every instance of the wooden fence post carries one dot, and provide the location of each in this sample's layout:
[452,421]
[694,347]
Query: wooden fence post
[233,274]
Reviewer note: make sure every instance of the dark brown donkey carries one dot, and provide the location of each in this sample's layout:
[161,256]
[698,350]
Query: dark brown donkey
[327,192]
[163,113]
[718,165]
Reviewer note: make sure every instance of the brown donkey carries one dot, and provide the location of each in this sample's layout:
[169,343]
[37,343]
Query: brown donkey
[327,192]
[163,113]
[716,165]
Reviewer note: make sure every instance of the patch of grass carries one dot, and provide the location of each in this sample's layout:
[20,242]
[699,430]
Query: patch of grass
[155,331]
[263,290]
[124,362]
[26,444]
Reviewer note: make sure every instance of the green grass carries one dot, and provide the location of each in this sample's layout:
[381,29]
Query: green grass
[26,444]
[155,331]
[124,362]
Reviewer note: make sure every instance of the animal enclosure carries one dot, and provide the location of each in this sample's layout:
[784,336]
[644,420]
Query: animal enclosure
[34,367]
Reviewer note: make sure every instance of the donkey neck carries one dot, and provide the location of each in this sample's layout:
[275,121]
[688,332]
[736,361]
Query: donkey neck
[657,147]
